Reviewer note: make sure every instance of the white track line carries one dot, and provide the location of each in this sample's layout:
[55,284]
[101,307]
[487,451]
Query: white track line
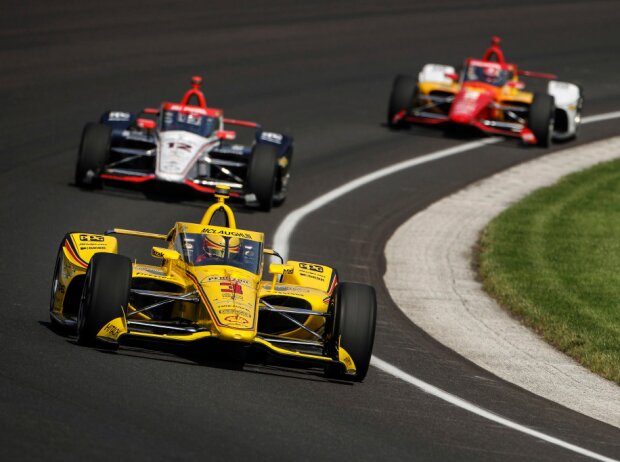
[466,405]
[290,222]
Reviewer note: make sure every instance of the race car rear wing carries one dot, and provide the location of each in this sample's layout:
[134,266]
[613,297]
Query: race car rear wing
[241,123]
[538,75]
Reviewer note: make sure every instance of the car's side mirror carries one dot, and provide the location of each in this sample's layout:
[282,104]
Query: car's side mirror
[166,254]
[278,270]
[452,76]
[147,124]
[228,135]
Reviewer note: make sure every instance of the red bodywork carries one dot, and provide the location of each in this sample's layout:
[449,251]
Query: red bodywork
[477,101]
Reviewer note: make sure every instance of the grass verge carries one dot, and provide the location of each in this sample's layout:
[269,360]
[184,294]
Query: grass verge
[553,260]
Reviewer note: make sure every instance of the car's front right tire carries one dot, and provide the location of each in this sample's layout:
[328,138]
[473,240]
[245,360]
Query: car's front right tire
[541,118]
[352,328]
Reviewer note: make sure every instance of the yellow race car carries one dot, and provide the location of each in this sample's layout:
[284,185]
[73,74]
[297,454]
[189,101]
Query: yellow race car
[209,288]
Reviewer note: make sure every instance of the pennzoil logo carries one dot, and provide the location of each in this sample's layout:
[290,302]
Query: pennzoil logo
[236,319]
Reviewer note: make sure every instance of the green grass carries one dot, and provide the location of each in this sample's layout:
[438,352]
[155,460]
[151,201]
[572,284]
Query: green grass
[553,260]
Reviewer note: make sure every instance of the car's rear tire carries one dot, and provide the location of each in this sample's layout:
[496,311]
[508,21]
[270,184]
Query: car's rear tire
[93,154]
[354,319]
[541,118]
[105,295]
[401,99]
[262,171]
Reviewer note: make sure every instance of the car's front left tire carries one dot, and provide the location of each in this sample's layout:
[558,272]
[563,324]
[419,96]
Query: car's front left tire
[93,154]
[105,295]
[401,99]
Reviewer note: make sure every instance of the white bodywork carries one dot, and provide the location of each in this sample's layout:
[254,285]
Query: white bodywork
[178,152]
[436,73]
[567,99]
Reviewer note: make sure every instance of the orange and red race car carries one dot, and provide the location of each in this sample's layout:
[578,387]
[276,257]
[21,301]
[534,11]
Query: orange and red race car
[487,94]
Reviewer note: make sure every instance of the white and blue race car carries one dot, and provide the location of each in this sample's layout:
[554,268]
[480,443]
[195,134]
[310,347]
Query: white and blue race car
[186,143]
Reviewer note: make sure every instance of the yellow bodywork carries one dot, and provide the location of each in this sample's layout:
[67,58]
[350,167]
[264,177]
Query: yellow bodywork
[219,301]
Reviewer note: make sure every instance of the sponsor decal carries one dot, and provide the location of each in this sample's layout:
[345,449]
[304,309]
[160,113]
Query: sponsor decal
[118,116]
[236,319]
[180,146]
[231,287]
[111,331]
[237,311]
[246,282]
[271,137]
[92,247]
[146,271]
[311,267]
[225,232]
[91,238]
[316,277]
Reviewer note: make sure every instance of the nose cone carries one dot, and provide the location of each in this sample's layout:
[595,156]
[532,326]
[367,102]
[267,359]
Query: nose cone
[460,117]
[467,105]
[231,300]
[236,335]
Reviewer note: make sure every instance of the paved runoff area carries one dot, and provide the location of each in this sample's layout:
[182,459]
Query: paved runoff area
[430,276]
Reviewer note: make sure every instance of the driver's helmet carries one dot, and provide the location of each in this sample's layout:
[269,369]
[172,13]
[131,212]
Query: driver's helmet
[491,74]
[214,246]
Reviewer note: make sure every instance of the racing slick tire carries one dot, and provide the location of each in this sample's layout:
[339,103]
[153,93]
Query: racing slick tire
[354,319]
[541,118]
[403,94]
[105,295]
[262,174]
[93,154]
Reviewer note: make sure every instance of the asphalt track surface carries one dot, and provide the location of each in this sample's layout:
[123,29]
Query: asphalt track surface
[321,72]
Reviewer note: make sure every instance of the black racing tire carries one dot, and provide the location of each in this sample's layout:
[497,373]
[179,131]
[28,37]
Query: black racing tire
[355,315]
[541,118]
[402,98]
[93,154]
[105,295]
[262,171]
